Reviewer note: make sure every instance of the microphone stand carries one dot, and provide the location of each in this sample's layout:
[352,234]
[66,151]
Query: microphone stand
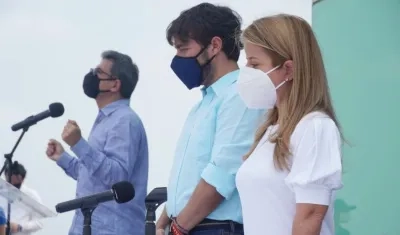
[153,200]
[87,211]
[8,163]
[150,219]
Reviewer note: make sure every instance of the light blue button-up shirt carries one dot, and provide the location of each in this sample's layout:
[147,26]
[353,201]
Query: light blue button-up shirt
[115,151]
[217,133]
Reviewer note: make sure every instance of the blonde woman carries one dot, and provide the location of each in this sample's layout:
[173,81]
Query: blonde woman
[288,180]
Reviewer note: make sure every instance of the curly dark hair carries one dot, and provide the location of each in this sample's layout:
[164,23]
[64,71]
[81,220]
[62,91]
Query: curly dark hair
[205,21]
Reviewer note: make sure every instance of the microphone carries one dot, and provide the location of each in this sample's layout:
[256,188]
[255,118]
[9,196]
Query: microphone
[55,110]
[121,192]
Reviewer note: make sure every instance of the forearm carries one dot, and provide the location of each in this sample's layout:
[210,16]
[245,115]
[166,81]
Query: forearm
[204,200]
[310,225]
[107,167]
[163,221]
[69,164]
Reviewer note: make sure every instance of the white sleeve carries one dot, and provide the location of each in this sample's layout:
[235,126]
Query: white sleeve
[316,170]
[32,225]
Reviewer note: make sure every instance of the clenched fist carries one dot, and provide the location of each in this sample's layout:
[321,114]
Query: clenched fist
[14,227]
[71,133]
[54,150]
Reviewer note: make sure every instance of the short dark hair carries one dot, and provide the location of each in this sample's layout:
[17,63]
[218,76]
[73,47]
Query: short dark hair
[125,70]
[205,21]
[16,169]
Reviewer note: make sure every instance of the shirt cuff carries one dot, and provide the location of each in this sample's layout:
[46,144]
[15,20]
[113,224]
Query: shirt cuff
[313,194]
[81,149]
[223,181]
[64,160]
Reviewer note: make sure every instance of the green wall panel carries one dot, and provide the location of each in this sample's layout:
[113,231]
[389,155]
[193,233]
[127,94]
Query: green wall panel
[360,41]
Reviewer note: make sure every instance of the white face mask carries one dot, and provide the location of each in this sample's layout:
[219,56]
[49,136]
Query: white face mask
[256,88]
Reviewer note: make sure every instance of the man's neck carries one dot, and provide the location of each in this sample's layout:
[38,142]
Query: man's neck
[104,101]
[222,70]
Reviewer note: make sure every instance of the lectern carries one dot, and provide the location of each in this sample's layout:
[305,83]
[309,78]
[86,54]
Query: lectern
[21,202]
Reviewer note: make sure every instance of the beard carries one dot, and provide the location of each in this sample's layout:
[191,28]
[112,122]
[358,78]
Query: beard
[208,74]
[208,70]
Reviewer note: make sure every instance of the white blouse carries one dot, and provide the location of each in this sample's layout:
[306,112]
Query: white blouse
[269,196]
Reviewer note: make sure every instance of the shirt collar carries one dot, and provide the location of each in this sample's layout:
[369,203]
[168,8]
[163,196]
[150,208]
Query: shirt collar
[221,84]
[108,109]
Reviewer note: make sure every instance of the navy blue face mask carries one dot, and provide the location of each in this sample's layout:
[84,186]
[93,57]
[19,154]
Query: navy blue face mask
[188,69]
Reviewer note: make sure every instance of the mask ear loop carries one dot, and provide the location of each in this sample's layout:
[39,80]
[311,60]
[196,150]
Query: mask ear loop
[281,84]
[272,70]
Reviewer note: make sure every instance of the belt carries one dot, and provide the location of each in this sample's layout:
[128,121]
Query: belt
[226,225]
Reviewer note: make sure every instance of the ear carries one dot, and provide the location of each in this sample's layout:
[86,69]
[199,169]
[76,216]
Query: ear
[216,45]
[20,178]
[117,86]
[288,68]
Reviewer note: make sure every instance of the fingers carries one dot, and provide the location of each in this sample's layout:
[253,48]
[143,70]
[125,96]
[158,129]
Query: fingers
[70,125]
[67,127]
[53,142]
[51,149]
[49,152]
[72,122]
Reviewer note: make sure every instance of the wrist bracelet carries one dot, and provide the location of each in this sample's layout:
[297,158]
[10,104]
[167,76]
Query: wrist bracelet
[180,229]
[175,230]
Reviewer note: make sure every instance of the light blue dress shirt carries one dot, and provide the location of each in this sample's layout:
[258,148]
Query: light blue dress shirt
[217,133]
[115,151]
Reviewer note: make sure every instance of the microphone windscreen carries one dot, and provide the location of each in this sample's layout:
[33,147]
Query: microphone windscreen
[56,109]
[123,191]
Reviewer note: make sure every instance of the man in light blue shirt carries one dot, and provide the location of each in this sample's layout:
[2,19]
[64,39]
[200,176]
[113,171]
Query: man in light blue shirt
[219,130]
[115,151]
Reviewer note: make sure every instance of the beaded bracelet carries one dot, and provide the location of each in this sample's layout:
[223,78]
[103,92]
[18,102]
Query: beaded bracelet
[177,229]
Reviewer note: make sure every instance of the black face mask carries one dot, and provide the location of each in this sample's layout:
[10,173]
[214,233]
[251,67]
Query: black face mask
[18,186]
[91,84]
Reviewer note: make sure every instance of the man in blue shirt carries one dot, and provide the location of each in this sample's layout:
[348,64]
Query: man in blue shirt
[219,130]
[116,149]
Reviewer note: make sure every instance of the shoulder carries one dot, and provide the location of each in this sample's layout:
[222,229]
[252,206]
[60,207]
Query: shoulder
[231,93]
[30,192]
[233,105]
[318,127]
[317,121]
[126,117]
[231,98]
[316,158]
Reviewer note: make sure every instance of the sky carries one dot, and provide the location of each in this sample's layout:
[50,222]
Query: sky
[46,48]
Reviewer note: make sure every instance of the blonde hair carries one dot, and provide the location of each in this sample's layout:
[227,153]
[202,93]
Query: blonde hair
[287,37]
